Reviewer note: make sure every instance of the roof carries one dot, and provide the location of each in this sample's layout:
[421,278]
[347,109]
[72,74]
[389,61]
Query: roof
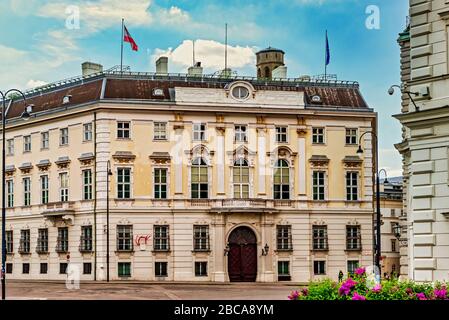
[141,86]
[271,49]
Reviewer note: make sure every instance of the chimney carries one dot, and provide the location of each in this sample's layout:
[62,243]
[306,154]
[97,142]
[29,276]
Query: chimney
[162,65]
[226,73]
[196,70]
[280,73]
[89,68]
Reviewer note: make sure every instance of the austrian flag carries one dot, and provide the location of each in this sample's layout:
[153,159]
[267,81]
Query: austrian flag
[127,38]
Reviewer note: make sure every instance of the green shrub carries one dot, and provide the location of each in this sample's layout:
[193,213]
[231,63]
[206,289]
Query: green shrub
[357,287]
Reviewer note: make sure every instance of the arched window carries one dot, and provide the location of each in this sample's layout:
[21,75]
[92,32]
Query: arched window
[281,181]
[259,73]
[267,72]
[199,179]
[241,179]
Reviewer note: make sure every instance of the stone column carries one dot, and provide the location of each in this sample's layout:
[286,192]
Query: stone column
[302,192]
[220,167]
[261,159]
[219,243]
[177,160]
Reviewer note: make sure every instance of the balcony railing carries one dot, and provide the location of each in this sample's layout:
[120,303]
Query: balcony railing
[85,244]
[42,248]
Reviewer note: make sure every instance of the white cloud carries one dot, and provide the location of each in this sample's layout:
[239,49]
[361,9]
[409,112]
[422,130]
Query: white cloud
[35,83]
[210,53]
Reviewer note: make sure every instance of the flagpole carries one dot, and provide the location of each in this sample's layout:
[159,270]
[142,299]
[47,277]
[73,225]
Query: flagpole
[325,57]
[121,55]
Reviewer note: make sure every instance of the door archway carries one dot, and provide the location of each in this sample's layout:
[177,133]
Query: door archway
[242,256]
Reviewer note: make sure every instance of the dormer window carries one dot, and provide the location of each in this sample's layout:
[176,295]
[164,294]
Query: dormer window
[66,99]
[316,98]
[158,92]
[240,92]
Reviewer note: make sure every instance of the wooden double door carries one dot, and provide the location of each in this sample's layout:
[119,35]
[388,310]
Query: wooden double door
[242,256]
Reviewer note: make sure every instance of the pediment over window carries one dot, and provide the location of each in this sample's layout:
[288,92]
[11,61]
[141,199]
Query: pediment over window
[319,161]
[124,156]
[26,167]
[43,165]
[352,161]
[282,152]
[86,158]
[160,157]
[10,169]
[200,151]
[63,162]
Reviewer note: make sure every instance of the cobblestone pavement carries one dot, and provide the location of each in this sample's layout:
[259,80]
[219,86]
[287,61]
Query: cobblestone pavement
[21,290]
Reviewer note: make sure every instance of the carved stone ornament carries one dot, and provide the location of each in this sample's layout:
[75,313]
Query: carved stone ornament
[26,167]
[87,159]
[319,161]
[63,162]
[124,156]
[352,162]
[43,165]
[160,158]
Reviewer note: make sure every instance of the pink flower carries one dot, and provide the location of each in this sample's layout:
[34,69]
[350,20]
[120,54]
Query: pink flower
[421,296]
[304,291]
[357,296]
[440,294]
[347,286]
[294,295]
[360,271]
[377,288]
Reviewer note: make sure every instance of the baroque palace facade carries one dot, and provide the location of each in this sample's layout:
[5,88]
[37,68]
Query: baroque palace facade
[211,179]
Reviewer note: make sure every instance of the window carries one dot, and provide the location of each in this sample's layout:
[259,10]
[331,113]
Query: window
[241,179]
[9,241]
[62,244]
[353,238]
[124,269]
[283,270]
[10,193]
[45,140]
[42,241]
[87,132]
[87,184]
[199,177]
[318,185]
[43,268]
[352,188]
[160,183]
[64,186]
[160,131]
[393,213]
[318,135]
[320,241]
[9,268]
[281,134]
[240,133]
[351,136]
[27,144]
[161,238]
[284,237]
[64,136]
[10,147]
[281,180]
[24,246]
[199,132]
[124,238]
[63,268]
[319,267]
[86,239]
[25,268]
[160,269]
[124,183]
[352,266]
[200,238]
[44,189]
[26,191]
[123,130]
[87,268]
[240,93]
[200,269]
[393,245]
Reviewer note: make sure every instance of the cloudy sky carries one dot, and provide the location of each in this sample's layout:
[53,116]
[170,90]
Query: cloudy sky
[41,43]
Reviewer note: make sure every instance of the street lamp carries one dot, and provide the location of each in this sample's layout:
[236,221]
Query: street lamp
[265,250]
[109,173]
[391,92]
[378,215]
[25,116]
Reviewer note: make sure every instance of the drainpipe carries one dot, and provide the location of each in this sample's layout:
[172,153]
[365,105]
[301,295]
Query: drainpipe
[95,195]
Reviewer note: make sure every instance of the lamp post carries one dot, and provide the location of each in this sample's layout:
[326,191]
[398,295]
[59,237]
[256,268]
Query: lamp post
[25,116]
[109,173]
[378,217]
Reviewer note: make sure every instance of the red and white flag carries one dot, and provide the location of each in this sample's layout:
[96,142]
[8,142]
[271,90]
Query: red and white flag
[127,38]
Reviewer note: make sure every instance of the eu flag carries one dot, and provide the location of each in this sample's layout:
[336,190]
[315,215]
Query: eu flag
[328,53]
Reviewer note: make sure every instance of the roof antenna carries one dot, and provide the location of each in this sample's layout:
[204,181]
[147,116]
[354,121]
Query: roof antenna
[226,47]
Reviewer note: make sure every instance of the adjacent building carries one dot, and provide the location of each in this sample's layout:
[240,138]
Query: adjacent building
[425,145]
[210,178]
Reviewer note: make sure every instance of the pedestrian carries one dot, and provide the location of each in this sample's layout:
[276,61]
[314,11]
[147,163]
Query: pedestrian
[340,276]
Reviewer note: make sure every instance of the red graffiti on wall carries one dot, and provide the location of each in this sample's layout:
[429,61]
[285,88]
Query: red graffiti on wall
[142,239]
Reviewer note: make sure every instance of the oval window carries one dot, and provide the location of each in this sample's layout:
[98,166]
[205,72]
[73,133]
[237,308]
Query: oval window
[316,98]
[240,92]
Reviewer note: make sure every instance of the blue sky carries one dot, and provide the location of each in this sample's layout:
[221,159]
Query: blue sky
[36,47]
